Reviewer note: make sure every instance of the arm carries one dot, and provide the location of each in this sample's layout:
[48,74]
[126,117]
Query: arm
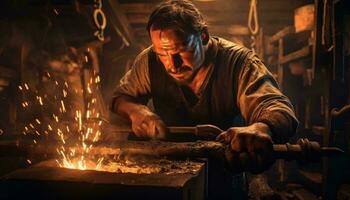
[260,100]
[269,114]
[130,97]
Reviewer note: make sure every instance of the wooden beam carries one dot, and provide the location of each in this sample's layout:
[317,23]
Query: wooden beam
[301,53]
[120,22]
[282,33]
[224,18]
[6,72]
[211,18]
[202,6]
[4,82]
[221,6]
[233,30]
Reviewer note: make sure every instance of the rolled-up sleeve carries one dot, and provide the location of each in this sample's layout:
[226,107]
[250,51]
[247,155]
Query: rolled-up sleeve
[260,100]
[135,83]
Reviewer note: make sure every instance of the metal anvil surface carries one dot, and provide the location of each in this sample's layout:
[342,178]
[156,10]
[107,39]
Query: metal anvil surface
[47,181]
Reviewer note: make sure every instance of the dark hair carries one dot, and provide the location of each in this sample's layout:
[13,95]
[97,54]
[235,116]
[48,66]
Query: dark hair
[181,15]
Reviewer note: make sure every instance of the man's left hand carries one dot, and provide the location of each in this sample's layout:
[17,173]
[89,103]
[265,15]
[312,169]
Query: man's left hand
[251,148]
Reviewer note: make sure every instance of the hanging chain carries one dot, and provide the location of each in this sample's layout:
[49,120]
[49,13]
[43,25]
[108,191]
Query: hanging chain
[100,20]
[253,23]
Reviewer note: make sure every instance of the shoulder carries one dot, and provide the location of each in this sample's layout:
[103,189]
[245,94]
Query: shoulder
[231,53]
[142,58]
[230,47]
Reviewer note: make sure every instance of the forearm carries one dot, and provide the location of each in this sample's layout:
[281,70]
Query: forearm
[127,106]
[282,125]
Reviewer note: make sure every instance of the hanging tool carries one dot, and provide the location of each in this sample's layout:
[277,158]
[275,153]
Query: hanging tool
[253,24]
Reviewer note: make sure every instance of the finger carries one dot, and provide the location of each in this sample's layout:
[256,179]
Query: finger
[221,137]
[142,130]
[226,136]
[238,143]
[249,142]
[151,129]
[161,130]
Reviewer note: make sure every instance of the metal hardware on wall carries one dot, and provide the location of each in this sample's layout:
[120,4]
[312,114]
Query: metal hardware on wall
[99,20]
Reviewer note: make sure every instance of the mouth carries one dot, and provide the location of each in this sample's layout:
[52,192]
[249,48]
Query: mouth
[181,73]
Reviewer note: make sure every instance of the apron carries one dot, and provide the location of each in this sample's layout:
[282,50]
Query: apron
[216,104]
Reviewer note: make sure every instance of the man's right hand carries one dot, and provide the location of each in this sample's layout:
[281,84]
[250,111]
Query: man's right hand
[145,123]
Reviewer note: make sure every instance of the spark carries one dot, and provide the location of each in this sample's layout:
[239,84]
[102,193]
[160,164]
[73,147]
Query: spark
[35,142]
[59,164]
[40,100]
[31,125]
[86,59]
[56,12]
[55,117]
[63,107]
[37,121]
[62,138]
[26,86]
[56,82]
[96,136]
[48,74]
[97,79]
[50,128]
[64,93]
[89,89]
[80,120]
[59,132]
[88,114]
[20,87]
[29,161]
[66,84]
[99,162]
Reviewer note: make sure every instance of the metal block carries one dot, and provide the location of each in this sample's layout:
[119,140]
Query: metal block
[47,181]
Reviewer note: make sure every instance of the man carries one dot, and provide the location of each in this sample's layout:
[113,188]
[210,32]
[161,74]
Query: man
[194,78]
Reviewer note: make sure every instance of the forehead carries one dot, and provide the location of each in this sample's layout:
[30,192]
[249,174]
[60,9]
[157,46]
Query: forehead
[167,38]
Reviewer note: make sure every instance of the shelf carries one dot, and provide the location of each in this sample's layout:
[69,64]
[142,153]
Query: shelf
[282,33]
[314,177]
[303,194]
[6,72]
[319,130]
[4,82]
[301,53]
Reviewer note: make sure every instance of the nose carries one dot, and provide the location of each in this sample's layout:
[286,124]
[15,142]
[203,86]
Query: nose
[175,62]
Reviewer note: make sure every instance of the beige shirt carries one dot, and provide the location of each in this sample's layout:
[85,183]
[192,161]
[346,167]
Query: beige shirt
[256,93]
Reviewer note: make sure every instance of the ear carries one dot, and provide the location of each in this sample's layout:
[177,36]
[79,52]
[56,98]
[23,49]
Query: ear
[205,36]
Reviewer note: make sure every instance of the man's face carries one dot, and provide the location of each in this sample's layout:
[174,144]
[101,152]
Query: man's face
[180,56]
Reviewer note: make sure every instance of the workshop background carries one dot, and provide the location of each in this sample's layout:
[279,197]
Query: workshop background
[59,63]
